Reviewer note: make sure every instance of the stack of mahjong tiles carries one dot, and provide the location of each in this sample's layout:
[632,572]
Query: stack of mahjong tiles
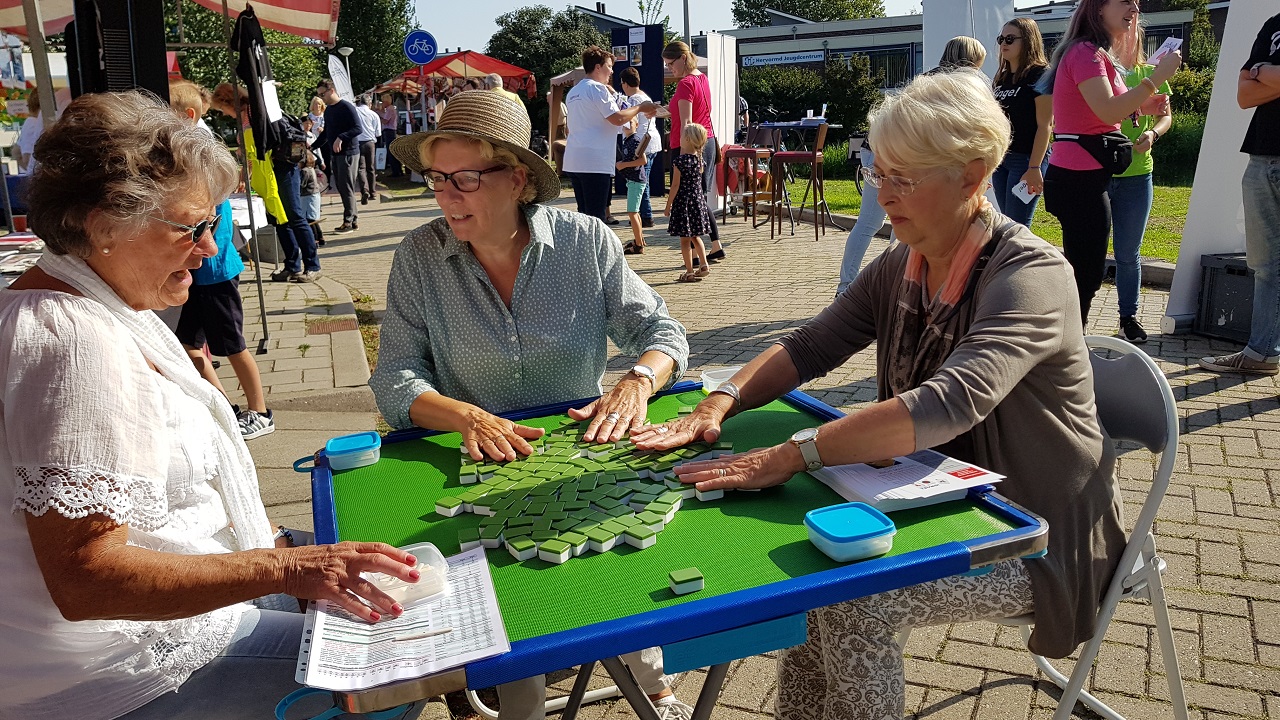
[570,496]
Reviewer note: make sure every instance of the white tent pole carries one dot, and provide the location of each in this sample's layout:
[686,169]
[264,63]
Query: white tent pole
[40,58]
[244,174]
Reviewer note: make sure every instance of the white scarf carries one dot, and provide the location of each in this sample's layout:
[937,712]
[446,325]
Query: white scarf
[236,479]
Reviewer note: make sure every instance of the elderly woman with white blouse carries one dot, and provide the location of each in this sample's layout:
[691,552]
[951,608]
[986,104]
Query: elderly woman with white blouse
[134,538]
[505,304]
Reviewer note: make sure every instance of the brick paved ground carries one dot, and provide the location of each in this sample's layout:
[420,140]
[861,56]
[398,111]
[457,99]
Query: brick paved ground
[1216,528]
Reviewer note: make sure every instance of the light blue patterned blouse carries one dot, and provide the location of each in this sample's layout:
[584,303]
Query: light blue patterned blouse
[446,328]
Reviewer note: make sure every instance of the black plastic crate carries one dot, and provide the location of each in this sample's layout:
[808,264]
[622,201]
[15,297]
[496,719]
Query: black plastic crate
[1226,297]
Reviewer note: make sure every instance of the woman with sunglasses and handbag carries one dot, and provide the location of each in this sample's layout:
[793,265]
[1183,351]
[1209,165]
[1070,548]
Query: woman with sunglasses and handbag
[1090,99]
[1022,64]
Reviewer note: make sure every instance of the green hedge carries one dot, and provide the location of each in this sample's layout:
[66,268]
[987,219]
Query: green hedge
[1191,91]
[1177,153]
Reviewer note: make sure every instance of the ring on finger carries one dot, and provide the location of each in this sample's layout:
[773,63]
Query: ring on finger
[663,429]
[722,472]
[612,417]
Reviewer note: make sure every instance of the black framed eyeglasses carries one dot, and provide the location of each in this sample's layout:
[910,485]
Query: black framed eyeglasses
[1007,39]
[465,180]
[198,230]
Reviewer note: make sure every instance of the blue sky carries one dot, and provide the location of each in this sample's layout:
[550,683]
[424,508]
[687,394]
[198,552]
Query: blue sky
[468,25]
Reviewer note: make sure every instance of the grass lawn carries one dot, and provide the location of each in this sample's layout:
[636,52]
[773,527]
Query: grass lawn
[1164,230]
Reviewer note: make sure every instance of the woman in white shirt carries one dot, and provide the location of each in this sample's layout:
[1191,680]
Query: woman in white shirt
[136,539]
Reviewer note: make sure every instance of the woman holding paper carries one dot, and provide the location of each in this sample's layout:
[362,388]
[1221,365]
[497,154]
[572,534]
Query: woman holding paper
[980,354]
[138,556]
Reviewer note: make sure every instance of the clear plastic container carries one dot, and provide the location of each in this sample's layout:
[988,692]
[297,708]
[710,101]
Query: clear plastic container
[711,379]
[850,531]
[353,451]
[432,583]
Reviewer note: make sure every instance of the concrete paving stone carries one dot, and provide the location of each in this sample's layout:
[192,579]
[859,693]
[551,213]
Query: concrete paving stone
[1005,697]
[1182,572]
[1203,602]
[291,515]
[1242,588]
[927,642]
[988,658]
[1247,676]
[1174,509]
[1269,655]
[1121,668]
[978,632]
[1221,559]
[317,375]
[283,486]
[1266,618]
[1263,572]
[313,360]
[1258,512]
[1252,492]
[943,675]
[293,389]
[751,684]
[1209,500]
[942,705]
[284,376]
[1133,708]
[1228,638]
[1125,633]
[1225,699]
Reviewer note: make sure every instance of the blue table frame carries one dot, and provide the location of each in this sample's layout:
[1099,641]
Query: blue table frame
[729,626]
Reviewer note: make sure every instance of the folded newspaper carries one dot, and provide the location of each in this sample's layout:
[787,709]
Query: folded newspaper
[921,478]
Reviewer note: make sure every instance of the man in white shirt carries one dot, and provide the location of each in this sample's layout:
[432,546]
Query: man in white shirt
[594,117]
[647,127]
[370,131]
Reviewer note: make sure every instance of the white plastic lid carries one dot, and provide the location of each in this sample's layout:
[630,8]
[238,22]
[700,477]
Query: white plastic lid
[433,581]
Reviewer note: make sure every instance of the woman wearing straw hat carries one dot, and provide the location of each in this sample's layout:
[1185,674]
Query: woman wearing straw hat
[504,304]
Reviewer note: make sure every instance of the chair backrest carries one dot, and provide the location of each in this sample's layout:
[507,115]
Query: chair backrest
[820,141]
[1135,403]
[758,137]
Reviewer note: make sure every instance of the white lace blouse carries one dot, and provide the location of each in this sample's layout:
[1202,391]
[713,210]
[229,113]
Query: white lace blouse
[88,427]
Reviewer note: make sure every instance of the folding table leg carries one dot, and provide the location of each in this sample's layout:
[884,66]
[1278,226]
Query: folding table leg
[710,691]
[631,689]
[579,690]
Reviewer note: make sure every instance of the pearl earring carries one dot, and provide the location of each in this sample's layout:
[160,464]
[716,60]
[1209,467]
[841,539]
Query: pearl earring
[106,251]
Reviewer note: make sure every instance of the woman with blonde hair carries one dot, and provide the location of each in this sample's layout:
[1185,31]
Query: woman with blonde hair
[963,51]
[978,348]
[691,103]
[1131,191]
[1022,63]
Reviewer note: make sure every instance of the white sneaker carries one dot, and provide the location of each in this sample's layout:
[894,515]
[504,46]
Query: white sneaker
[254,424]
[670,708]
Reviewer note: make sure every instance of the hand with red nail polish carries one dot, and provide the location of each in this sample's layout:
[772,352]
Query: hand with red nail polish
[333,573]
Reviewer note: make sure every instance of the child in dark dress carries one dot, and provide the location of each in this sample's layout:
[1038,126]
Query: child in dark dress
[687,205]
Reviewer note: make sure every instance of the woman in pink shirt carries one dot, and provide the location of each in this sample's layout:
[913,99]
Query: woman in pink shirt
[692,103]
[1090,99]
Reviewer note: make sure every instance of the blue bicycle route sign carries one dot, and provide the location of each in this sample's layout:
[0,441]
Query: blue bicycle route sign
[420,47]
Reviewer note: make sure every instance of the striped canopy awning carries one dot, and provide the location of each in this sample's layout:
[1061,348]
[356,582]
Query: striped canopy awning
[315,19]
[471,64]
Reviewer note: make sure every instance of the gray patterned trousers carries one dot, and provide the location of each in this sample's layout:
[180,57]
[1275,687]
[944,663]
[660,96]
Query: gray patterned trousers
[851,666]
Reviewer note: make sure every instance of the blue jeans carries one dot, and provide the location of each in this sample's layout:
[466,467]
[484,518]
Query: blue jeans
[1008,174]
[295,236]
[1261,186]
[251,675]
[646,210]
[870,220]
[1130,209]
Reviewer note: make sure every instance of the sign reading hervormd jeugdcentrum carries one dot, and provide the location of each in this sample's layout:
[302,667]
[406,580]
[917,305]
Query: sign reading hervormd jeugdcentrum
[783,58]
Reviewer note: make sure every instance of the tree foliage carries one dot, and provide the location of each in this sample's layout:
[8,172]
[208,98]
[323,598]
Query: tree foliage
[545,43]
[751,13]
[1202,48]
[786,92]
[296,69]
[375,31]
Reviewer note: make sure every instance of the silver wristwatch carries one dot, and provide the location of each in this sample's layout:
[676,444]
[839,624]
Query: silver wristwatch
[807,441]
[645,371]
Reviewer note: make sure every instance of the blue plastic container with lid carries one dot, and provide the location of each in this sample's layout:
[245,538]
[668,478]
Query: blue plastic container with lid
[353,451]
[850,531]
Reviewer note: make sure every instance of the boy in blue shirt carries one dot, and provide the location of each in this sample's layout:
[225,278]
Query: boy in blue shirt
[214,313]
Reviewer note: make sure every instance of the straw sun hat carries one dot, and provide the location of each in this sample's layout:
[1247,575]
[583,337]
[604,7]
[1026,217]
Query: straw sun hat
[485,115]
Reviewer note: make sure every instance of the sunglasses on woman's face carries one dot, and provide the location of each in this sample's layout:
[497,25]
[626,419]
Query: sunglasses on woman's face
[198,230]
[1007,39]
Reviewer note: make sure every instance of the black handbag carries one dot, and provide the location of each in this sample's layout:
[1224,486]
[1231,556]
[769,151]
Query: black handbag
[1113,151]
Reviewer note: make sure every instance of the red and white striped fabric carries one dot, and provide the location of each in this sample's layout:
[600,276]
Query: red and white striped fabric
[316,19]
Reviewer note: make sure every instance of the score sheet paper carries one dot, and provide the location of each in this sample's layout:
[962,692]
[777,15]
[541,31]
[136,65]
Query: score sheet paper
[921,478]
[344,653]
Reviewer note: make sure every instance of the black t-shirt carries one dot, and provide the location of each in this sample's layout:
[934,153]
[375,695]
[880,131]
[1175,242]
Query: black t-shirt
[1019,103]
[1263,137]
